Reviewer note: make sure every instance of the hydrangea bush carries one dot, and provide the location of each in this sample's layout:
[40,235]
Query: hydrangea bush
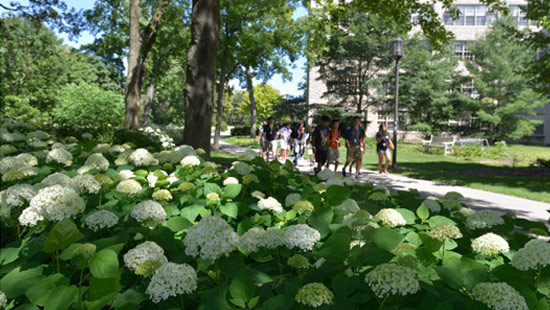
[88,225]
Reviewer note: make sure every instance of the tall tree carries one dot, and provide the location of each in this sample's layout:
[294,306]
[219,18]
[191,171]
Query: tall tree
[539,68]
[201,73]
[141,42]
[357,55]
[266,98]
[498,68]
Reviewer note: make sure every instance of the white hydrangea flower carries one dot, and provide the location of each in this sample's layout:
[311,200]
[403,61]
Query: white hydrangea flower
[16,195]
[242,168]
[490,244]
[432,205]
[466,211]
[186,150]
[382,188]
[213,197]
[86,184]
[326,174]
[3,300]
[402,248]
[335,181]
[349,205]
[190,161]
[314,295]
[147,250]
[248,155]
[230,180]
[535,254]
[57,203]
[124,175]
[483,219]
[162,195]
[445,231]
[172,156]
[102,148]
[87,136]
[28,159]
[101,219]
[291,199]
[55,179]
[149,209]
[499,296]
[172,280]
[257,195]
[129,187]
[6,149]
[97,161]
[320,187]
[271,204]
[121,161]
[252,239]
[60,156]
[301,236]
[390,217]
[142,157]
[116,149]
[30,217]
[39,134]
[273,238]
[11,163]
[211,238]
[391,279]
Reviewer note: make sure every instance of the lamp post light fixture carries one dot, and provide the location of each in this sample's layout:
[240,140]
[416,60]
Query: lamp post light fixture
[397,53]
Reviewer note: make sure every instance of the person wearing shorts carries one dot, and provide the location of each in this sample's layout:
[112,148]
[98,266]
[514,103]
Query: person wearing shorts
[284,138]
[383,148]
[333,143]
[261,141]
[320,135]
[355,142]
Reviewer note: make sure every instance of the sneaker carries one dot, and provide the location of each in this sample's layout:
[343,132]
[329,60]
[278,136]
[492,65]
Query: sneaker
[315,170]
[357,176]
[344,171]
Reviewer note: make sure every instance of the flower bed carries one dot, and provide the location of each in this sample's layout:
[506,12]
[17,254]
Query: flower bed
[99,226]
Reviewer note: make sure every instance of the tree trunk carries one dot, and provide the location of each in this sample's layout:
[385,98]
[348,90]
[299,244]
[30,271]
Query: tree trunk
[250,87]
[132,89]
[201,74]
[149,103]
[140,45]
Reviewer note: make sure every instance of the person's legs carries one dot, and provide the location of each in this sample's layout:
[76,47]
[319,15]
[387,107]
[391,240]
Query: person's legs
[388,161]
[380,161]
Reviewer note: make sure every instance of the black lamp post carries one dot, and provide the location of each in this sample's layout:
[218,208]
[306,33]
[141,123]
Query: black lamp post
[397,53]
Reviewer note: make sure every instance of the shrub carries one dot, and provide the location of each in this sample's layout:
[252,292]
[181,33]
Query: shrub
[240,130]
[88,105]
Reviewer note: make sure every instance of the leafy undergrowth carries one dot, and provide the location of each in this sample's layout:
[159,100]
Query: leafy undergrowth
[97,226]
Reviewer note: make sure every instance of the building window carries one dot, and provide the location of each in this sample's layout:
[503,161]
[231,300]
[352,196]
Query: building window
[518,15]
[539,131]
[462,50]
[469,15]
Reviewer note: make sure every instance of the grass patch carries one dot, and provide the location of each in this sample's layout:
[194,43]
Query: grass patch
[245,141]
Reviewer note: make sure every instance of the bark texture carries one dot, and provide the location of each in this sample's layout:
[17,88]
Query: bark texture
[141,43]
[250,87]
[201,74]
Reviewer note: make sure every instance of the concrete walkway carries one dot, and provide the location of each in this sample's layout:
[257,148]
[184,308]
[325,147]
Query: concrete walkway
[476,199]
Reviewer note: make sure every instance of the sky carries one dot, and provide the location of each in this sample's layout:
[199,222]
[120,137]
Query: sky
[297,69]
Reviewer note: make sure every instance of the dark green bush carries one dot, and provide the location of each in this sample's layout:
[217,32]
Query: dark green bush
[240,130]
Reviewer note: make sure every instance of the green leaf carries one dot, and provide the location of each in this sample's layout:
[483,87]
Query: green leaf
[192,212]
[214,299]
[423,213]
[242,287]
[387,238]
[211,188]
[278,302]
[129,300]
[62,297]
[230,209]
[260,277]
[16,282]
[177,223]
[438,219]
[63,234]
[335,250]
[101,292]
[104,264]
[232,190]
[320,219]
[239,303]
[450,276]
[253,302]
[408,215]
[337,194]
[8,255]
[344,286]
[39,292]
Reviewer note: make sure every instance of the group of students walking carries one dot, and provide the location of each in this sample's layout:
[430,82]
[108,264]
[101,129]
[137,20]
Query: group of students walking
[322,144]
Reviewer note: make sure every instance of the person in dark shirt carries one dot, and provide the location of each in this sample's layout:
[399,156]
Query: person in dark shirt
[355,143]
[269,132]
[383,142]
[320,135]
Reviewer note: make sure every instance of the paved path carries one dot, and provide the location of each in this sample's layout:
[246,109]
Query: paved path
[477,199]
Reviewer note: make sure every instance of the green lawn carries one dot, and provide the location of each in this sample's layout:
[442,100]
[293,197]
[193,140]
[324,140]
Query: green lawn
[490,174]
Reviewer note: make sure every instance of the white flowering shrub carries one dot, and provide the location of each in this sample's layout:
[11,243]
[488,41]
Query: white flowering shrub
[170,230]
